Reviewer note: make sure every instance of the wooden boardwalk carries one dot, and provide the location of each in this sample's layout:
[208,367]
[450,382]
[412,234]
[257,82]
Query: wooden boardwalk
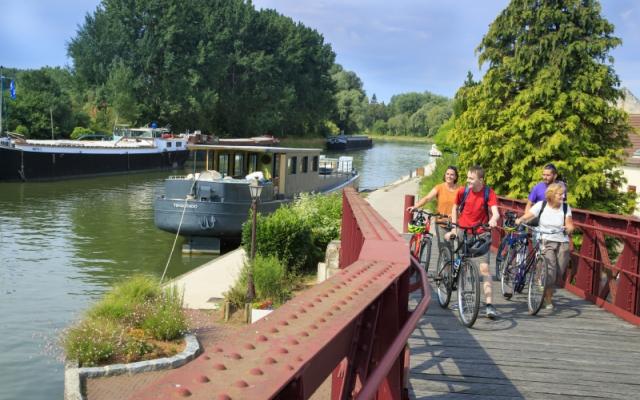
[575,351]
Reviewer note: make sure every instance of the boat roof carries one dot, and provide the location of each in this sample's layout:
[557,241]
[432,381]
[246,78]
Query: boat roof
[255,149]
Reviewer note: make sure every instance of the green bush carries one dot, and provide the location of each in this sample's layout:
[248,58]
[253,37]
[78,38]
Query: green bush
[297,234]
[91,341]
[79,131]
[23,130]
[269,278]
[138,304]
[128,299]
[323,214]
[284,235]
[165,320]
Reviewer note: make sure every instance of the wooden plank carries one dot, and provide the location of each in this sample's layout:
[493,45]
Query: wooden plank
[576,351]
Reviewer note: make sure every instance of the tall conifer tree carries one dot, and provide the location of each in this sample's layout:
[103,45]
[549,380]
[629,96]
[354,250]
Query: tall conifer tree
[548,96]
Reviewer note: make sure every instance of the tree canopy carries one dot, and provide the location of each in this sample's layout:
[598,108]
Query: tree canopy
[219,66]
[548,95]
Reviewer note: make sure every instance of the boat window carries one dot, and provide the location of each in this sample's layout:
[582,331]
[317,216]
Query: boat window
[292,165]
[253,162]
[305,164]
[223,164]
[178,144]
[168,144]
[314,167]
[238,164]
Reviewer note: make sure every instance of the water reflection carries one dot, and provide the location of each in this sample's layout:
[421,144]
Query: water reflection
[385,162]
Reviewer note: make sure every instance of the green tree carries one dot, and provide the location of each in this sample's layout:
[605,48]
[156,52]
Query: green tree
[351,100]
[548,96]
[219,66]
[40,100]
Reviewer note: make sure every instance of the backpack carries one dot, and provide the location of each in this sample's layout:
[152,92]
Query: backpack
[464,198]
[564,209]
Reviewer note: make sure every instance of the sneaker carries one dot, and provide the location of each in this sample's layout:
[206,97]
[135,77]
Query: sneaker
[491,311]
[549,306]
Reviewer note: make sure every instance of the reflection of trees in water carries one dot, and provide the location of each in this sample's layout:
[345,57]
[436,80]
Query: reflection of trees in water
[105,224]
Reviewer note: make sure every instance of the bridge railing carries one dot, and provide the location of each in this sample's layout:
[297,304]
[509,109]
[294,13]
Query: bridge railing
[352,328]
[605,269]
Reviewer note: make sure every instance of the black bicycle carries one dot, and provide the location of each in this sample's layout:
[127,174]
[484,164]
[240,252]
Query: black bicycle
[456,272]
[513,235]
[421,236]
[527,267]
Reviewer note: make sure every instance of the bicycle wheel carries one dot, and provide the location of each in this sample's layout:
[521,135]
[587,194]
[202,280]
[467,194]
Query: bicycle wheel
[468,294]
[443,278]
[502,255]
[425,252]
[412,245]
[507,276]
[537,284]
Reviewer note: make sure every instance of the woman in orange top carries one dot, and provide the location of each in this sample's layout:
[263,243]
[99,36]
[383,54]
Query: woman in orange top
[445,192]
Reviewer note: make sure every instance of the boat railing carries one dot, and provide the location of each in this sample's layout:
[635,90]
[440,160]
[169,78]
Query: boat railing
[335,167]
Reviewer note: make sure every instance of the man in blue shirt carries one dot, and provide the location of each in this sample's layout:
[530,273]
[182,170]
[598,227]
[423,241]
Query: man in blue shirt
[549,176]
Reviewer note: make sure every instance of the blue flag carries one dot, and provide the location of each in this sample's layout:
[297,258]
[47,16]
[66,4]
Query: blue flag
[12,89]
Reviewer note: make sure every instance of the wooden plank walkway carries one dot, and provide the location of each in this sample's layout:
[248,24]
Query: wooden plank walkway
[575,351]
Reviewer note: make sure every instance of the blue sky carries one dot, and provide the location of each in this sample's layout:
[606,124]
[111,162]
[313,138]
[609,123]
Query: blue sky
[394,46]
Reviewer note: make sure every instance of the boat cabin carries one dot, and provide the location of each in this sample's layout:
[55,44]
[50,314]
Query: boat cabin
[288,171]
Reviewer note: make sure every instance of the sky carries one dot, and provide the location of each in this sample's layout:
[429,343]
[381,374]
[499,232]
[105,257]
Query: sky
[393,46]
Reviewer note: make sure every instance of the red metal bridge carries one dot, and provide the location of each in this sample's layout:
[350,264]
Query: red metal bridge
[370,331]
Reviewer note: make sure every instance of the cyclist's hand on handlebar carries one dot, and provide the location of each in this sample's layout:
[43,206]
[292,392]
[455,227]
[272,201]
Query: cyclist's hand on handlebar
[493,222]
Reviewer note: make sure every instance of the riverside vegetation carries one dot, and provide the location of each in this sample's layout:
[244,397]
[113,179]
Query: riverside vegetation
[289,244]
[137,320]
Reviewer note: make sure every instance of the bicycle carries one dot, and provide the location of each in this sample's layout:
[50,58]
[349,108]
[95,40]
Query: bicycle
[527,267]
[508,242]
[421,238]
[457,272]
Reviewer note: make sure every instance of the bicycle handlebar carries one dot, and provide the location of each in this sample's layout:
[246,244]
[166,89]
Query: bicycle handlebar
[422,212]
[539,230]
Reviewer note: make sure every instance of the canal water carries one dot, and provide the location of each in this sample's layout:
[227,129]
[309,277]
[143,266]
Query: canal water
[62,244]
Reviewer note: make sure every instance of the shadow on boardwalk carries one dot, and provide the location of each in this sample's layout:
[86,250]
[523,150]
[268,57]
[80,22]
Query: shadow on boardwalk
[575,351]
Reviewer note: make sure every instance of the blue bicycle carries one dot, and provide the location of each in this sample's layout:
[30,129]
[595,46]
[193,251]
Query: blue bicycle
[524,266]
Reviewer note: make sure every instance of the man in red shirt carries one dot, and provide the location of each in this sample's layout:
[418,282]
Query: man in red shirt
[474,212]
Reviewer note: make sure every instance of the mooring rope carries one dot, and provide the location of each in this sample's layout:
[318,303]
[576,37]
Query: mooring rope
[184,209]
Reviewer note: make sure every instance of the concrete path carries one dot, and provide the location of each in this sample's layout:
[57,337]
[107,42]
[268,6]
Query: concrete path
[204,286]
[389,200]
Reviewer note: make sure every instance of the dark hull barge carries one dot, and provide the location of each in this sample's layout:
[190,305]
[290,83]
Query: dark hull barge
[37,160]
[212,205]
[349,142]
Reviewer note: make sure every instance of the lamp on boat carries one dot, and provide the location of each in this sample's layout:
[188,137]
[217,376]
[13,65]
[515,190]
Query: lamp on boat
[255,188]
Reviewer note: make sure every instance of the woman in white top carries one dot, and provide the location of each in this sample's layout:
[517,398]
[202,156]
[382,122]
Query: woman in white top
[553,215]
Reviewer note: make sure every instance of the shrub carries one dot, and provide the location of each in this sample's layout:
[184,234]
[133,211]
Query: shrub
[79,131]
[269,278]
[128,299]
[283,234]
[165,320]
[119,325]
[298,234]
[91,341]
[323,214]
